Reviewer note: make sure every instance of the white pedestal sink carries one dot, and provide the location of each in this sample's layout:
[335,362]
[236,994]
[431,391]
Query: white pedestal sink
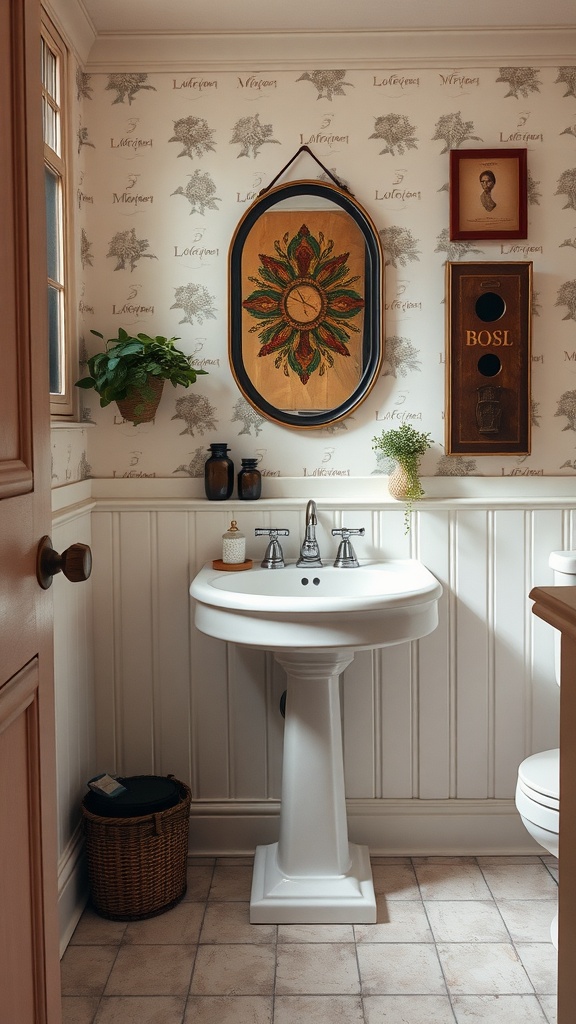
[314,620]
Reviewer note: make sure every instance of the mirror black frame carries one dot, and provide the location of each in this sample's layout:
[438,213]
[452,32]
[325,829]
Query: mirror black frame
[372,334]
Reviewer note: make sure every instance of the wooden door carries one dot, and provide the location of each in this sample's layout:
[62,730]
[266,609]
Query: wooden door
[29,961]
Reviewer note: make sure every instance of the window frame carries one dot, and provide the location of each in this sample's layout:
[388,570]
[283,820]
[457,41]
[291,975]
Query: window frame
[63,405]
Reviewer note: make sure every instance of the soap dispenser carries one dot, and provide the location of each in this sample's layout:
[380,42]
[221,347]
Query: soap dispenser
[233,545]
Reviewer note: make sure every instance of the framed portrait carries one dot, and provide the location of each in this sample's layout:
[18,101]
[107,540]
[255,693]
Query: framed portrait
[488,194]
[306,304]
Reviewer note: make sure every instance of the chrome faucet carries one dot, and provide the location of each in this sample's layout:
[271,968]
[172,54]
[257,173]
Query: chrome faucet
[274,556]
[346,557]
[310,552]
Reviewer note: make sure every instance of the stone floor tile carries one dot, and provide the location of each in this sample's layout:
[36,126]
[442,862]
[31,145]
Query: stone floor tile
[395,881]
[317,969]
[231,882]
[403,968]
[528,920]
[549,1005]
[483,968]
[498,1010]
[408,1010]
[466,921]
[228,1010]
[178,926]
[234,970]
[198,881]
[140,1010]
[85,969]
[230,922]
[93,930]
[451,879]
[148,970]
[318,1010]
[397,921]
[315,933]
[540,960]
[521,882]
[79,1009]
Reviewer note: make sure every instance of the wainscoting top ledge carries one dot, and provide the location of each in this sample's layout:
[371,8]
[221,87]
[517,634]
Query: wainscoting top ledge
[355,491]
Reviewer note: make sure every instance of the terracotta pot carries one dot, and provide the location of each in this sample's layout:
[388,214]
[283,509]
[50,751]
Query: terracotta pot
[142,408]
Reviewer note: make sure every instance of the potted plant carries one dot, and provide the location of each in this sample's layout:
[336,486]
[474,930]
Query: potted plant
[405,445]
[131,372]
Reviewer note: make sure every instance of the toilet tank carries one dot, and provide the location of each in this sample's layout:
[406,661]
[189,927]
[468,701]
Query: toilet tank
[564,565]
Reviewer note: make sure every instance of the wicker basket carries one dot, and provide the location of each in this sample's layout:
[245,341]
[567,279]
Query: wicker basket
[137,866]
[139,407]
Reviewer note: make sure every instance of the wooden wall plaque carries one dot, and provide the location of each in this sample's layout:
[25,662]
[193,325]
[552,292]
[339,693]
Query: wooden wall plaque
[488,337]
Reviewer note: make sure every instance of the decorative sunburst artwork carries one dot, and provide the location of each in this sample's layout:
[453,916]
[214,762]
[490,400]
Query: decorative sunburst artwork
[305,305]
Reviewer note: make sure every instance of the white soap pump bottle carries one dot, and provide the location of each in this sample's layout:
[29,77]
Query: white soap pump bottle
[233,545]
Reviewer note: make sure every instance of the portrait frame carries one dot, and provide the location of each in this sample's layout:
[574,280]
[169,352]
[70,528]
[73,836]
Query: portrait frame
[488,194]
[301,244]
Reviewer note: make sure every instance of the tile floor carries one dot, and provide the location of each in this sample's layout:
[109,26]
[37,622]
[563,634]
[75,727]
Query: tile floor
[459,940]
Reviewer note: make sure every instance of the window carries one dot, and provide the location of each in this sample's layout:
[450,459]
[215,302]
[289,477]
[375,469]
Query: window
[56,190]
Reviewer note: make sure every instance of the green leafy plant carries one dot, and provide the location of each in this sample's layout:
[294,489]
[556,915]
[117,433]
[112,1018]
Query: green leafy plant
[128,363]
[405,445]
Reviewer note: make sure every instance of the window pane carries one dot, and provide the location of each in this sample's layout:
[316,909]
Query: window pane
[54,329]
[51,124]
[52,186]
[54,123]
[50,98]
[49,71]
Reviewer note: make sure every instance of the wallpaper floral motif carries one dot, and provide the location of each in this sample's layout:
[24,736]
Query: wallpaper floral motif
[169,162]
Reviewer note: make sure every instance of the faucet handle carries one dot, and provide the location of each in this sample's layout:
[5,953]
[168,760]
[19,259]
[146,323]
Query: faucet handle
[273,558]
[346,557]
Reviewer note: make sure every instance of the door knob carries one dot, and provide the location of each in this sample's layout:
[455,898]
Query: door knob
[75,562]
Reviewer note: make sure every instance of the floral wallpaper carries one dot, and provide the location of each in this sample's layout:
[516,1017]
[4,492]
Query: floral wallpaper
[169,162]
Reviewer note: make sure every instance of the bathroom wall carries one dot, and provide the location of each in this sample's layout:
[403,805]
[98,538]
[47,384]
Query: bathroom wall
[171,159]
[433,731]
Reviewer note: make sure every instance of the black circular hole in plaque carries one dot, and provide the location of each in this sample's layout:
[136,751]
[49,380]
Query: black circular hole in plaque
[489,365]
[304,581]
[316,581]
[490,306]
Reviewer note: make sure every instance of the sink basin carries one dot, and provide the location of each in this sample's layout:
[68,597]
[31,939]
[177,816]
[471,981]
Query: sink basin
[374,605]
[314,620]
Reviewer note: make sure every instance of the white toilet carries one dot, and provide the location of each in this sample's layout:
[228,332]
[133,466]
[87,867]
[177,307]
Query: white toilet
[538,786]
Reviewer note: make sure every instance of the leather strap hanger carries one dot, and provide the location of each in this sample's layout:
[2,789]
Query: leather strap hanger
[305,149]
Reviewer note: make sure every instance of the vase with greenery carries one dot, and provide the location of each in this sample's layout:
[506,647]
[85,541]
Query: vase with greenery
[132,369]
[405,445]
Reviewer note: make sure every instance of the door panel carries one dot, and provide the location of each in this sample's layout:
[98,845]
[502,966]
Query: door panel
[29,966]
[19,804]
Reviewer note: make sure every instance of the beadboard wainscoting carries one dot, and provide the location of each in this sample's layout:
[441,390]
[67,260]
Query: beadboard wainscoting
[74,694]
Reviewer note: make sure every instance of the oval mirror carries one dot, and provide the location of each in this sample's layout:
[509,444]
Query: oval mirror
[306,304]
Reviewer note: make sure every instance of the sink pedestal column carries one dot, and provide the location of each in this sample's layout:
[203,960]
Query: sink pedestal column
[313,875]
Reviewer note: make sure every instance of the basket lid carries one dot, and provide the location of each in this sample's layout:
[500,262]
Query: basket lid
[144,794]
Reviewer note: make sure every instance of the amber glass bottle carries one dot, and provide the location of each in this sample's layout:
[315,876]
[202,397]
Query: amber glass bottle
[218,473]
[249,480]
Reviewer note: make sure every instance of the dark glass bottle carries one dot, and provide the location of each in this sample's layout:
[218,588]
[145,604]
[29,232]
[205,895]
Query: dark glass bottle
[249,480]
[218,473]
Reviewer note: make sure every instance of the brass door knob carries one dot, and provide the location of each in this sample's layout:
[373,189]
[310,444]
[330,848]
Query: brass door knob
[75,562]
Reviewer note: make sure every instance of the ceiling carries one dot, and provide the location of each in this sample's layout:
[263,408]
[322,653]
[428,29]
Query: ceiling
[225,16]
